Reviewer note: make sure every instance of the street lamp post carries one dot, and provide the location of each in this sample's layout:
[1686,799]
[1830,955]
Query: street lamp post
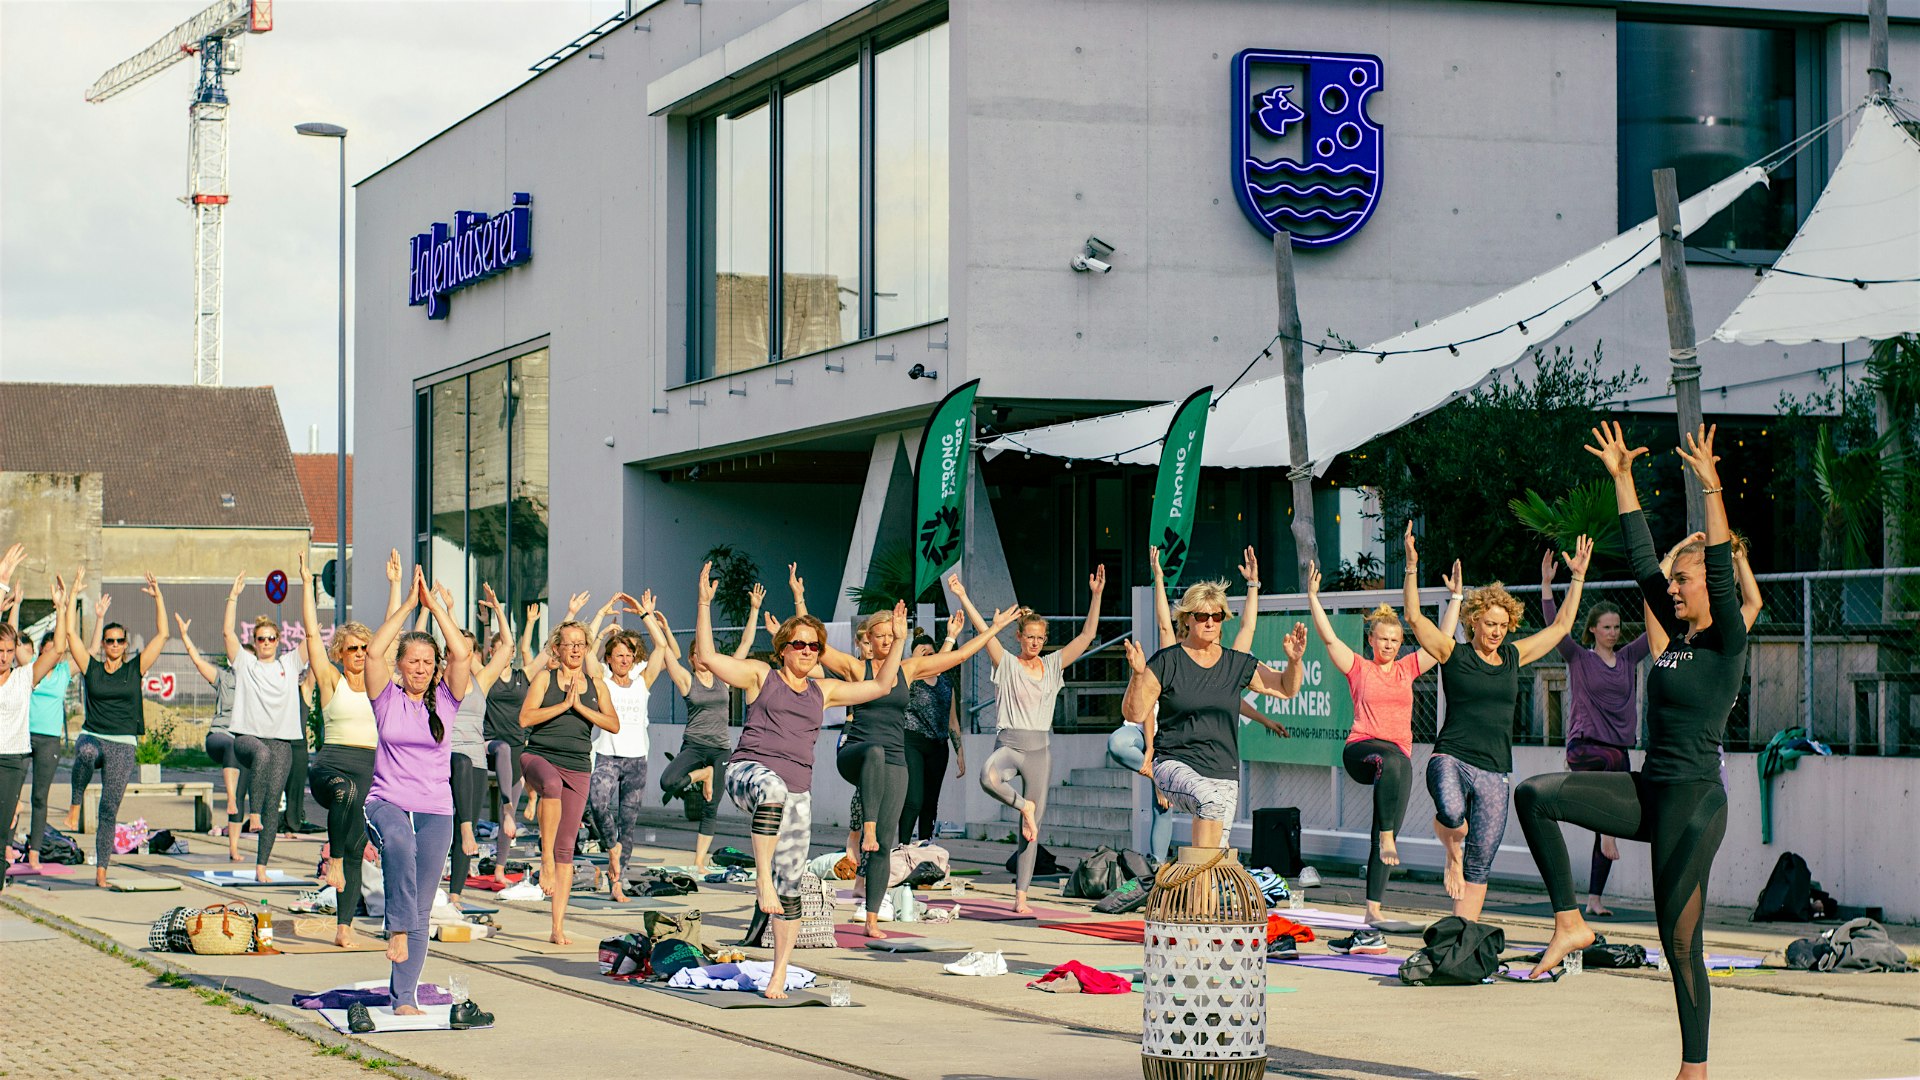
[342,591]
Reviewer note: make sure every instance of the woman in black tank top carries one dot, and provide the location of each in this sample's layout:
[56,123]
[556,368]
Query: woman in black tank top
[562,708]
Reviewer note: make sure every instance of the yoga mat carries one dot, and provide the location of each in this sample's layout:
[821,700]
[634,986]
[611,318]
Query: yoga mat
[433,1018]
[1544,910]
[244,879]
[477,909]
[1359,964]
[905,944]
[635,905]
[743,999]
[488,884]
[986,909]
[1325,920]
[140,883]
[1714,960]
[1401,926]
[854,935]
[1133,930]
[46,869]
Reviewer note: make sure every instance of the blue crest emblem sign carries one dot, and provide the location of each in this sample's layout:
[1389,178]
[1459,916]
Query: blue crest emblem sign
[1306,158]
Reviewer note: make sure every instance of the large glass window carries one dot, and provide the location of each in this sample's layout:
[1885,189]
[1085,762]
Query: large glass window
[910,182]
[485,474]
[812,227]
[1707,101]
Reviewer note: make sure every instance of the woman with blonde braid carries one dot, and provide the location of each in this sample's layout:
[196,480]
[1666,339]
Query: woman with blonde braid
[564,707]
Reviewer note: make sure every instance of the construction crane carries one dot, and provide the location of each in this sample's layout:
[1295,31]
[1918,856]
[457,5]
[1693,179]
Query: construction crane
[214,36]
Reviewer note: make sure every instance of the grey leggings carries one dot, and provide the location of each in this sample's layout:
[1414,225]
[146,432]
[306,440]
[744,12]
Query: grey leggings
[615,796]
[46,760]
[506,776]
[882,790]
[271,761]
[115,761]
[1468,795]
[411,847]
[1026,753]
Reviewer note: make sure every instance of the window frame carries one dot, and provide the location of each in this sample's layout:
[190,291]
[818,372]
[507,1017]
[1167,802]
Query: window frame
[858,53]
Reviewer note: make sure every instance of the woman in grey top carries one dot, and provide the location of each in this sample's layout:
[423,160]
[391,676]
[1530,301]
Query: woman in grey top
[1026,685]
[219,743]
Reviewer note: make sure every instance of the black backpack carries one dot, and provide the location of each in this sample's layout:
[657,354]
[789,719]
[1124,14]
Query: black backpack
[58,847]
[1097,875]
[1457,953]
[1044,863]
[1788,896]
[1135,866]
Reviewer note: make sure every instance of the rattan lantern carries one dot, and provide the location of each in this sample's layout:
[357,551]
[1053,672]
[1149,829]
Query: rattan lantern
[1206,971]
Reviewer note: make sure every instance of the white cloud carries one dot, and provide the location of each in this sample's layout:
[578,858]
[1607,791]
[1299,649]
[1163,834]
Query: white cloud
[96,267]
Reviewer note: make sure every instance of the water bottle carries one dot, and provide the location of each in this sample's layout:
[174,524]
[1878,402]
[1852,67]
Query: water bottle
[1660,963]
[1575,963]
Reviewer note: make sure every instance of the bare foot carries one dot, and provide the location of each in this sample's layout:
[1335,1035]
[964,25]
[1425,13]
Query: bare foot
[771,993]
[233,849]
[100,878]
[336,873]
[1029,829]
[397,951]
[769,900]
[869,840]
[704,777]
[507,829]
[546,876]
[1609,849]
[701,868]
[469,845]
[559,937]
[1389,854]
[776,983]
[1570,932]
[619,894]
[33,860]
[72,823]
[1453,843]
[260,874]
[873,927]
[1020,904]
[408,1010]
[343,937]
[1599,910]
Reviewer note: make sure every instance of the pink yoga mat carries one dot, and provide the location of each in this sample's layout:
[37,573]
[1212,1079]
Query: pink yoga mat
[46,869]
[986,909]
[854,935]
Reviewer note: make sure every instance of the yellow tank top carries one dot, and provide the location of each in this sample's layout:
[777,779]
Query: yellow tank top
[349,716]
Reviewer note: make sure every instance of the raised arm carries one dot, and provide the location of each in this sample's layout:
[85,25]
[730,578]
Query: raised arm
[1250,611]
[799,587]
[1456,584]
[1549,611]
[1162,611]
[1751,601]
[380,649]
[1137,707]
[161,631]
[1286,683]
[488,673]
[656,625]
[99,622]
[836,694]
[756,597]
[1337,650]
[459,676]
[1534,646]
[227,636]
[919,667]
[955,623]
[318,662]
[1090,629]
[1425,634]
[1723,589]
[45,659]
[995,651]
[527,659]
[396,574]
[740,674]
[75,647]
[200,663]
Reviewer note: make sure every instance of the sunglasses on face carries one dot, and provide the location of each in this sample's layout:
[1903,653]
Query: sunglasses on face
[1208,616]
[263,637]
[354,648]
[114,641]
[805,646]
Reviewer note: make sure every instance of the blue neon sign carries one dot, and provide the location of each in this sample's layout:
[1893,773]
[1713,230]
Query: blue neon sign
[1306,157]
[446,260]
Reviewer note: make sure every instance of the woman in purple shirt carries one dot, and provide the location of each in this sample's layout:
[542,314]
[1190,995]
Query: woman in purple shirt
[410,805]
[1603,709]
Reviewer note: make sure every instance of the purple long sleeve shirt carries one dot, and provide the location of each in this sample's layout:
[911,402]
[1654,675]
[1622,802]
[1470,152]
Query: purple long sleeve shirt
[1603,701]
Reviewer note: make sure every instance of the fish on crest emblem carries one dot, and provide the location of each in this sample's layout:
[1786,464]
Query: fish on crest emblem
[1306,157]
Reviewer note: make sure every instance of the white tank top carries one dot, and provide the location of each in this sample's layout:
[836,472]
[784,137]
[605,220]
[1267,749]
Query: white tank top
[349,717]
[629,703]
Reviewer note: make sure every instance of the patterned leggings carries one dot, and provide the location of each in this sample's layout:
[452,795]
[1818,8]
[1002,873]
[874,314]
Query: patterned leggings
[752,786]
[115,761]
[1468,795]
[272,762]
[615,797]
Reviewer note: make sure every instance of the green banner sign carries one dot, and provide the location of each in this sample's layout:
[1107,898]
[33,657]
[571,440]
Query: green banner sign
[940,487]
[1176,490]
[1320,715]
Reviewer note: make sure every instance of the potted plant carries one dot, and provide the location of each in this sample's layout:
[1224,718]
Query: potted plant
[153,749]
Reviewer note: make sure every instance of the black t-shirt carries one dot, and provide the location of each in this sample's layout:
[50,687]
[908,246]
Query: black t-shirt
[883,721]
[567,739]
[1199,721]
[113,699]
[1480,702]
[503,708]
[1692,686]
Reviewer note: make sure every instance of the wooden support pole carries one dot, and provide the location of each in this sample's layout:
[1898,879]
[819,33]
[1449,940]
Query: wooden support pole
[1306,544]
[1680,334]
[1880,85]
[1879,77]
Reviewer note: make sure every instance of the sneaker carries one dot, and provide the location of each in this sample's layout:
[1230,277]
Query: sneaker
[359,1021]
[468,1015]
[1309,877]
[979,963]
[1283,947]
[1363,942]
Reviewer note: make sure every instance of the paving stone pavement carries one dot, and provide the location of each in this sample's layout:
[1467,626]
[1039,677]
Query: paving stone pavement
[72,1010]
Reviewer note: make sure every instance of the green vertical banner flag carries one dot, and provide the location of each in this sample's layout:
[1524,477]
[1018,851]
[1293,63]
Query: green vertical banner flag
[940,488]
[1177,489]
[1318,718]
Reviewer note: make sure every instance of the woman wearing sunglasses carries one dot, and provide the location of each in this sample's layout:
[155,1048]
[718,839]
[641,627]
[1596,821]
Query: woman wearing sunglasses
[771,774]
[115,720]
[342,772]
[1026,686]
[269,720]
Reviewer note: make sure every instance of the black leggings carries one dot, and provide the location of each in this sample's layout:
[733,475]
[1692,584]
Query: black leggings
[1387,768]
[13,776]
[694,756]
[341,776]
[295,813]
[505,760]
[883,790]
[1684,822]
[926,774]
[46,760]
[271,760]
[469,795]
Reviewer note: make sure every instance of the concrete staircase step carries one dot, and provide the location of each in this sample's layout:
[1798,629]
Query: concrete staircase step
[1070,795]
[1078,817]
[1107,778]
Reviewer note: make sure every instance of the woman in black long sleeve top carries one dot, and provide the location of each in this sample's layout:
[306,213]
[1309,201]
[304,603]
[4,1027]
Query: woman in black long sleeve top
[1676,801]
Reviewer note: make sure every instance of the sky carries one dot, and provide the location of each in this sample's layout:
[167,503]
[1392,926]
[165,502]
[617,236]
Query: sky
[96,251]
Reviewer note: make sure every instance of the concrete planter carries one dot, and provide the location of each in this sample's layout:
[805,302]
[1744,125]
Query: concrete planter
[149,774]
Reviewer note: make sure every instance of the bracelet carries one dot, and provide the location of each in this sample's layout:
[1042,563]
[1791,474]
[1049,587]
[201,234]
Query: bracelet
[1579,578]
[1456,596]
[1713,490]
[1413,573]
[1253,584]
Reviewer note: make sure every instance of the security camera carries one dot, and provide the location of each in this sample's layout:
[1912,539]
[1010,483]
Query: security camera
[1084,263]
[919,371]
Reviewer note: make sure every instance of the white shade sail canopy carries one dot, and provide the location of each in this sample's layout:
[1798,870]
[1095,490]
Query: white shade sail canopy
[1356,395]
[1864,228]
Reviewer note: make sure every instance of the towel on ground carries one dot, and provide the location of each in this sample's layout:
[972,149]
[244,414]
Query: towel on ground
[748,975]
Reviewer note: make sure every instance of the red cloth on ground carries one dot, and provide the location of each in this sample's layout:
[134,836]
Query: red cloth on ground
[1092,980]
[1134,930]
[488,884]
[1280,924]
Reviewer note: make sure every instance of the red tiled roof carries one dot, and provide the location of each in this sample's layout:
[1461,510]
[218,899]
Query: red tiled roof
[168,455]
[319,475]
